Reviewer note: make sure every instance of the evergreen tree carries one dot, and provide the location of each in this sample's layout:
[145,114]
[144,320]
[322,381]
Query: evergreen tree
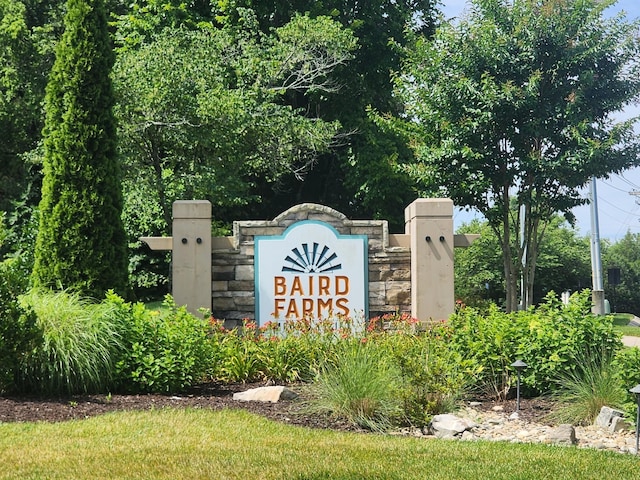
[81,243]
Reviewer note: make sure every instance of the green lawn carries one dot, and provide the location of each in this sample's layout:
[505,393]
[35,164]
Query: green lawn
[201,444]
[621,322]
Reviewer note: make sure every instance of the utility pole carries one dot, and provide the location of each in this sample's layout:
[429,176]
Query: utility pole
[596,262]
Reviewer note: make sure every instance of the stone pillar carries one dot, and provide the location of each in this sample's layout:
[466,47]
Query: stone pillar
[429,222]
[191,260]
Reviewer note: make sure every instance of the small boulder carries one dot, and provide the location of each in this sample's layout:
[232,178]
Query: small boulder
[448,426]
[606,416]
[619,424]
[563,434]
[266,394]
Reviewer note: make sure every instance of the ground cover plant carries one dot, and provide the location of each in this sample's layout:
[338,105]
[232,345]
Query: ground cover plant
[233,444]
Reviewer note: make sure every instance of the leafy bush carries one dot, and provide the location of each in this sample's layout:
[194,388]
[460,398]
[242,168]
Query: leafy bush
[359,383]
[627,365]
[19,333]
[554,338]
[433,377]
[489,340]
[161,352]
[79,342]
[548,338]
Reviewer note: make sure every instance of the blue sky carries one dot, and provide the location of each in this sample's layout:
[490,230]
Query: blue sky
[618,211]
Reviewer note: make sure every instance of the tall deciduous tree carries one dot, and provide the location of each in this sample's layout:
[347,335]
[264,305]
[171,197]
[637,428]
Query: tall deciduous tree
[515,104]
[81,243]
[203,114]
[356,177]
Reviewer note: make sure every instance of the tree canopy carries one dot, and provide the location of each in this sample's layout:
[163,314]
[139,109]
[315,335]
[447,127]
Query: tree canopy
[513,106]
[356,176]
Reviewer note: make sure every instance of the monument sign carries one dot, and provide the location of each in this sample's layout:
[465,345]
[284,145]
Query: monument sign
[310,271]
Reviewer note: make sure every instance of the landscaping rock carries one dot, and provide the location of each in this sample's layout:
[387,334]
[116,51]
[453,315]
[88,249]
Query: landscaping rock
[606,416]
[266,394]
[563,434]
[619,424]
[448,426]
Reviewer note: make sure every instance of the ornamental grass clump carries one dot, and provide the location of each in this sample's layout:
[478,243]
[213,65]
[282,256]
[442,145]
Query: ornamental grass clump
[592,384]
[78,346]
[359,383]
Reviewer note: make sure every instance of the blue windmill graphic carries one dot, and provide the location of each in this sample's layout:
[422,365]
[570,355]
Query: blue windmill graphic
[311,259]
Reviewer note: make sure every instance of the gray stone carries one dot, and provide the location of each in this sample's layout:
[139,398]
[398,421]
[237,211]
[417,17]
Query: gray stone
[606,416]
[266,394]
[468,436]
[563,434]
[448,426]
[619,424]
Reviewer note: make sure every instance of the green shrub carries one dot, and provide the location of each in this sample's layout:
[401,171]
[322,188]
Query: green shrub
[554,337]
[627,365]
[433,377]
[489,340]
[19,333]
[161,353]
[548,338]
[359,383]
[79,342]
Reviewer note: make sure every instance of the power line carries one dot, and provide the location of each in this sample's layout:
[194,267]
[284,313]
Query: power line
[611,185]
[627,181]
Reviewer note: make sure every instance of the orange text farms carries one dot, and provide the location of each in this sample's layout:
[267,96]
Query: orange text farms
[298,297]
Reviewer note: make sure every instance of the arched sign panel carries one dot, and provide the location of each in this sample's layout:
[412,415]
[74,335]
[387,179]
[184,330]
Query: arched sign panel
[311,271]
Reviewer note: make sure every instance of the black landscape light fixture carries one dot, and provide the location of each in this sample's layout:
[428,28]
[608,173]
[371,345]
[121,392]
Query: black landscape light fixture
[519,365]
[636,391]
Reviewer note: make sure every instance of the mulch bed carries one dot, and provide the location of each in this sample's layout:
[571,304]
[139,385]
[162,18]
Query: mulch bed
[20,408]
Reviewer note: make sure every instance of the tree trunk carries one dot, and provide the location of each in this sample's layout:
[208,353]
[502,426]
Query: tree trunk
[510,269]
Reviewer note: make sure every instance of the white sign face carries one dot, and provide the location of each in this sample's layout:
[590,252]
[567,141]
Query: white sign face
[310,271]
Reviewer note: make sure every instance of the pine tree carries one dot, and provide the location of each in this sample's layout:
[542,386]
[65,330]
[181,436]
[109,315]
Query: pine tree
[81,243]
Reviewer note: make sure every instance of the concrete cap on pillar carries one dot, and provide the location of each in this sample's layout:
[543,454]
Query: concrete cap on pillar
[192,209]
[429,207]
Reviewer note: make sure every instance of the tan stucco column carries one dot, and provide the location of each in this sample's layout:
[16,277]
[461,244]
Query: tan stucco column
[429,222]
[191,258]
